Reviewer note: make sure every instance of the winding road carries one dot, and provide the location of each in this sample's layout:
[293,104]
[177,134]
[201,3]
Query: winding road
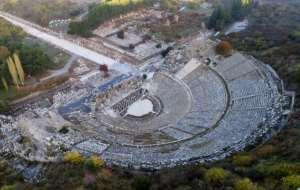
[71,47]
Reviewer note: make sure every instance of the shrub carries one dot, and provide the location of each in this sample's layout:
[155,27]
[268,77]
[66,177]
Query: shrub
[192,4]
[242,160]
[89,179]
[284,169]
[279,170]
[265,151]
[245,184]
[254,174]
[297,75]
[73,157]
[3,106]
[8,187]
[184,187]
[34,59]
[94,163]
[295,35]
[105,175]
[291,182]
[224,48]
[4,52]
[141,183]
[216,176]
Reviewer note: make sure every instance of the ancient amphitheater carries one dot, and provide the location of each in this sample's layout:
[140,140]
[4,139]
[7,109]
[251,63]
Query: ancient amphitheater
[203,112]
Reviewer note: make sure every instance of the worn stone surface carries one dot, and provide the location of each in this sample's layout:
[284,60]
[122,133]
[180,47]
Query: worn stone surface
[210,112]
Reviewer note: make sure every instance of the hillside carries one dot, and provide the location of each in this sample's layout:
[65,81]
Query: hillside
[77,132]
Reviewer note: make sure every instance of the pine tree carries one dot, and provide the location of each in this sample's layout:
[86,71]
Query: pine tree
[19,68]
[13,72]
[16,70]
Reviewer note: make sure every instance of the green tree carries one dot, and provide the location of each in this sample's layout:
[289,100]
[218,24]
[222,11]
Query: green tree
[216,176]
[245,184]
[34,59]
[219,18]
[229,11]
[237,9]
[3,106]
[141,183]
[4,53]
[93,163]
[291,182]
[73,157]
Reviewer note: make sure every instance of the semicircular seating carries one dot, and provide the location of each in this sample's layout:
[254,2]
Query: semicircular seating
[234,103]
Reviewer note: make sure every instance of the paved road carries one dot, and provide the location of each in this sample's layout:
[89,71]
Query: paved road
[69,46]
